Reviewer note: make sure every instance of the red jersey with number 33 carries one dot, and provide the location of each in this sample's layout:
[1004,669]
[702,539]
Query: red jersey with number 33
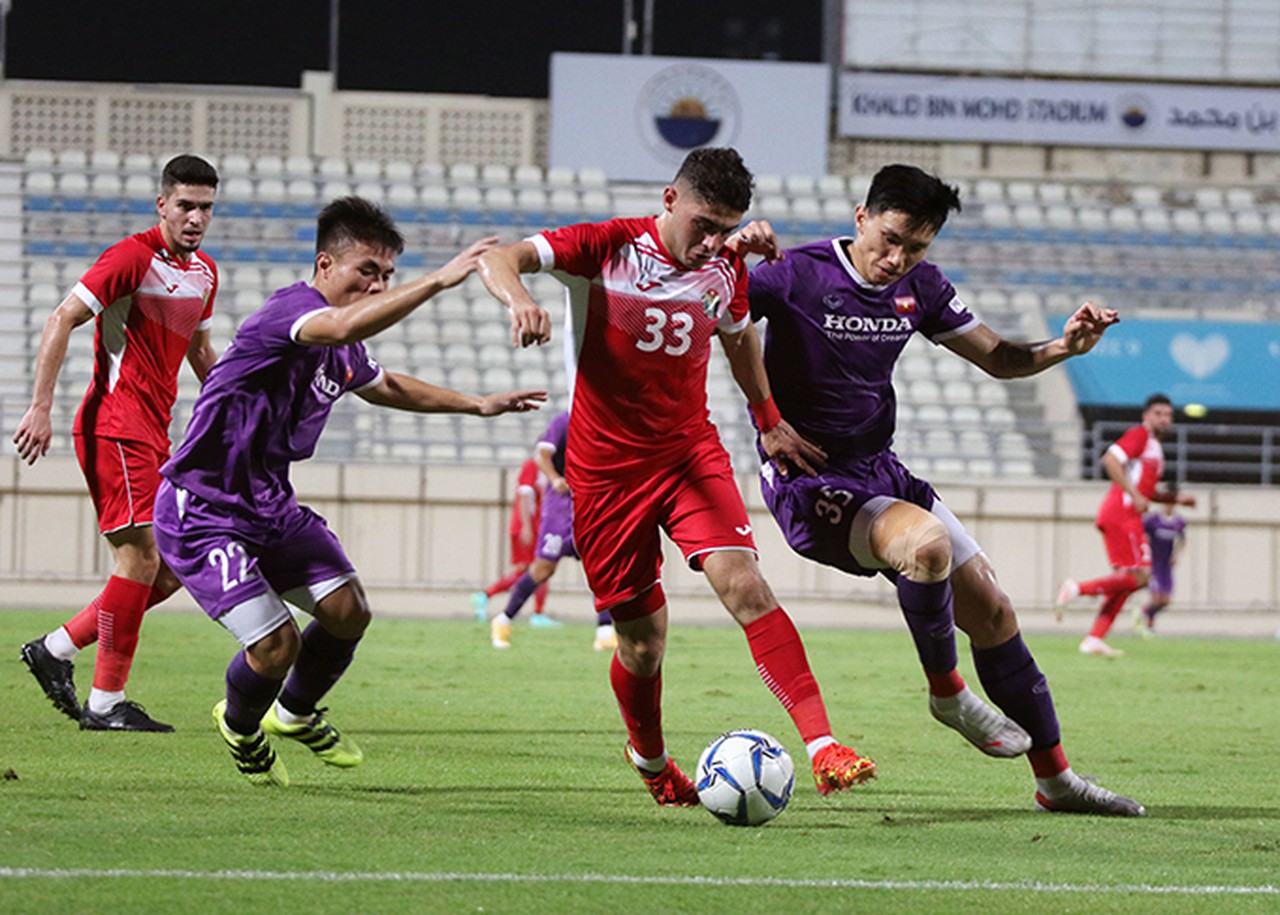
[641,340]
[148,305]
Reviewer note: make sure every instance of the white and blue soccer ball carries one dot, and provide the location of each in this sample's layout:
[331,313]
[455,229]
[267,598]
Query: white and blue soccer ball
[745,777]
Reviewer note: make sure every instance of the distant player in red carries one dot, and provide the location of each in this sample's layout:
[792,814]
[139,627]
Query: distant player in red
[152,296]
[526,508]
[1135,464]
[646,296]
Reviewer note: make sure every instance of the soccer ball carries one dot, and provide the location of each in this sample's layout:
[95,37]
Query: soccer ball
[745,777]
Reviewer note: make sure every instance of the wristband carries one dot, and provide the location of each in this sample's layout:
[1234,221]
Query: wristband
[766,414]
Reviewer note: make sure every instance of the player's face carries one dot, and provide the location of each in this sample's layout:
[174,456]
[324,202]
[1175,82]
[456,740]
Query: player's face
[1158,418]
[356,271]
[692,229]
[887,248]
[184,216]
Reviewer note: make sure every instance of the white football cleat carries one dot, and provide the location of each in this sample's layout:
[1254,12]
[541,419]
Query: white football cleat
[1072,794]
[1094,645]
[980,724]
[1069,591]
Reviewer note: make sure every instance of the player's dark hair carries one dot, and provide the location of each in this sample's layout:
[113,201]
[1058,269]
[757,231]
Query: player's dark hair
[926,199]
[348,221]
[1155,399]
[718,175]
[186,169]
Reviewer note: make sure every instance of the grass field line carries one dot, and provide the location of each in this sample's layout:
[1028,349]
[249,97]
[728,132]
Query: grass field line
[657,880]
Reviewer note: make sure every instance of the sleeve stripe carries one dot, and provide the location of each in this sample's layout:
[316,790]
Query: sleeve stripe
[296,326]
[81,291]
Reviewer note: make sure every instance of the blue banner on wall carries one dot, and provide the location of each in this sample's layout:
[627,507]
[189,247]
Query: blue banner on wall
[1220,364]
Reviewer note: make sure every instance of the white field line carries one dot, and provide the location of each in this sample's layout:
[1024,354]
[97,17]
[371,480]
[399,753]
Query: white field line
[34,873]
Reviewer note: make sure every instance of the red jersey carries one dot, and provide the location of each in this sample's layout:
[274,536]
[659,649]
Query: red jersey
[1143,458]
[148,305]
[642,327]
[530,481]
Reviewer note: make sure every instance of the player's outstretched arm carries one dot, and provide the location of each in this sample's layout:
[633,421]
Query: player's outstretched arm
[1001,358]
[500,271]
[782,443]
[201,355]
[404,392]
[375,313]
[35,430]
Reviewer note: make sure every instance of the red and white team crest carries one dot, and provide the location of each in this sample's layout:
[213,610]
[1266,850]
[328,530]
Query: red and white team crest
[904,305]
[710,303]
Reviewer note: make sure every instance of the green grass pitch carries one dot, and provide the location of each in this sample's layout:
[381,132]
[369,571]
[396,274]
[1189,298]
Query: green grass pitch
[494,782]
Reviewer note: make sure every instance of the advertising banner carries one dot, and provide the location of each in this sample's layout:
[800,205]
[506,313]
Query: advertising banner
[637,117]
[1218,364]
[1065,112]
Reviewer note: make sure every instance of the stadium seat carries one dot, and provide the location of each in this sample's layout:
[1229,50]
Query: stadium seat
[770,184]
[38,158]
[592,178]
[559,176]
[463,173]
[72,160]
[268,167]
[332,168]
[495,174]
[299,166]
[526,176]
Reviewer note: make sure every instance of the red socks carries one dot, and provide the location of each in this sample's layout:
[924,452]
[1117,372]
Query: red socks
[640,701]
[1115,583]
[1048,762]
[944,686]
[120,609]
[775,644]
[1107,614]
[83,627]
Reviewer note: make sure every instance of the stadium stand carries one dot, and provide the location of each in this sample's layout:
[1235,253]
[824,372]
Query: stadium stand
[1019,250]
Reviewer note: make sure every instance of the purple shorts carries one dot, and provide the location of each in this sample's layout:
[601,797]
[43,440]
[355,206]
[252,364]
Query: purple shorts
[1161,578]
[224,560]
[555,528]
[816,514]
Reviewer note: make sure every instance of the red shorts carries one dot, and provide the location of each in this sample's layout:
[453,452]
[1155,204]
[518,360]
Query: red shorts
[522,553]
[615,526]
[1126,541]
[123,477]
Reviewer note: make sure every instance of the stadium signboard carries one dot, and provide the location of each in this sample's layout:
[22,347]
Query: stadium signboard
[637,117]
[916,106]
[1217,364]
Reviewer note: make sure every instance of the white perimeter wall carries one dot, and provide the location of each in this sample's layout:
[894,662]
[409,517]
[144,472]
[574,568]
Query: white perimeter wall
[424,537]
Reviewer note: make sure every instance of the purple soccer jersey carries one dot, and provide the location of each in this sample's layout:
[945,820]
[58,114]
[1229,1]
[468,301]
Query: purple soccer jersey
[1164,533]
[263,407]
[833,339]
[557,435]
[555,526]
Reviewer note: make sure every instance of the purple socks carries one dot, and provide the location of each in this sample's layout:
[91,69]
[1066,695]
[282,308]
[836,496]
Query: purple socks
[927,609]
[321,662]
[249,695]
[1012,681]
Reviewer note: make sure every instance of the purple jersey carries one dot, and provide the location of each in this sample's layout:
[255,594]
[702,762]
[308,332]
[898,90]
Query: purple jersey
[1164,533]
[833,339]
[556,436]
[263,407]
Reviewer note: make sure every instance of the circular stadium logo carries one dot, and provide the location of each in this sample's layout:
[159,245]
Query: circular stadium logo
[1133,111]
[685,106]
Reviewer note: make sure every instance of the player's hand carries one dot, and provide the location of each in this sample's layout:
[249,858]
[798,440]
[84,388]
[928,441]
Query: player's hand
[34,434]
[756,237]
[1085,328]
[1140,503]
[530,324]
[560,485]
[787,448]
[511,402]
[464,263]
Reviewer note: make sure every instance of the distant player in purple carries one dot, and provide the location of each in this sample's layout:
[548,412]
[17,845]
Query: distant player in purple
[839,313]
[1166,533]
[555,539]
[227,520]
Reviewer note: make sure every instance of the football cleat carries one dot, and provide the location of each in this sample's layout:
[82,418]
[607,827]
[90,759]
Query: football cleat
[542,621]
[500,631]
[670,787]
[55,676]
[837,767]
[319,736]
[480,606]
[1069,591]
[980,724]
[606,639]
[1091,644]
[124,716]
[254,756]
[1079,796]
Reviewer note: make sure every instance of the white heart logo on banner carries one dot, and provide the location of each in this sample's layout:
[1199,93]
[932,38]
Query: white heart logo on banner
[1199,358]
